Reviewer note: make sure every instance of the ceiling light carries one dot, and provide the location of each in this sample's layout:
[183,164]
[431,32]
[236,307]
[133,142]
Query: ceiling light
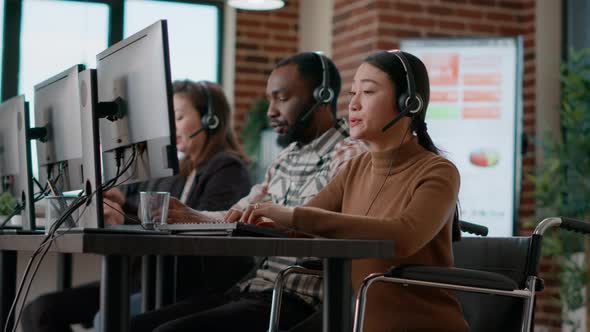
[257,4]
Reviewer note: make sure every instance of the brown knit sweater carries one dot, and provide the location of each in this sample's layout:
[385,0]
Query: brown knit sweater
[414,209]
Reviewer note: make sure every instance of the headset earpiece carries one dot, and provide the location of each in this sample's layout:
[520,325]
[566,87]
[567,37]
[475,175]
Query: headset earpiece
[209,121]
[412,105]
[409,102]
[323,93]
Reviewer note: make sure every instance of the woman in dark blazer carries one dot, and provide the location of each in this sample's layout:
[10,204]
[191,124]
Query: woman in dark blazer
[213,176]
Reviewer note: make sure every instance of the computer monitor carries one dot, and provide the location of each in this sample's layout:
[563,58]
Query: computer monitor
[57,110]
[15,159]
[135,103]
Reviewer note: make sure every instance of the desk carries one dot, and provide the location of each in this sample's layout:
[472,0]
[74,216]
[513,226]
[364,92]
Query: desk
[115,249]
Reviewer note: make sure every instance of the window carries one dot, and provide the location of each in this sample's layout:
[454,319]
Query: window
[55,36]
[193,33]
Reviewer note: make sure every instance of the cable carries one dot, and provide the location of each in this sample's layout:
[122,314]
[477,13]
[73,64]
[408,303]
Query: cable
[50,237]
[45,243]
[26,294]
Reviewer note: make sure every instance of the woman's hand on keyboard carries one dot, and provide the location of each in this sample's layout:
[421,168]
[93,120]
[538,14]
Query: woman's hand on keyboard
[180,213]
[264,214]
[233,215]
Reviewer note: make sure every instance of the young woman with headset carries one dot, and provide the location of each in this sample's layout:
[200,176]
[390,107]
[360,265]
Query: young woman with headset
[213,177]
[402,190]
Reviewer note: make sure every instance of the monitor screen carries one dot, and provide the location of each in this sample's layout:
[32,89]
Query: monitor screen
[57,109]
[15,161]
[133,76]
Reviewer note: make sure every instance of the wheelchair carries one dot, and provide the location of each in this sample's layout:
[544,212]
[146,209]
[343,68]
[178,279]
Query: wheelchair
[313,266]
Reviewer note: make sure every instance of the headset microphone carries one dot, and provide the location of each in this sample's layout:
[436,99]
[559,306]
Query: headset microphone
[396,119]
[309,112]
[197,132]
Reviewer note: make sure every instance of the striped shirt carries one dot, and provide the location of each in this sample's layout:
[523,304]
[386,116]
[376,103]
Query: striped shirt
[294,178]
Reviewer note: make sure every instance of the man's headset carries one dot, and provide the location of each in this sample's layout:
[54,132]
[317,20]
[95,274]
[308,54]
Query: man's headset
[410,102]
[209,121]
[323,94]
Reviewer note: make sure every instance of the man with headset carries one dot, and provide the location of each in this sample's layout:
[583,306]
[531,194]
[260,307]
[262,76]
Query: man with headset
[302,91]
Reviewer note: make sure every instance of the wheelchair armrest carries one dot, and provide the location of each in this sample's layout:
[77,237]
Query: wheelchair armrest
[472,228]
[575,225]
[455,276]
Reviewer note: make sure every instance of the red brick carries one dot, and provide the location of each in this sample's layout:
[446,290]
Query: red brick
[409,7]
[500,16]
[399,32]
[439,34]
[510,31]
[278,26]
[242,21]
[485,28]
[513,4]
[421,22]
[452,25]
[387,44]
[392,18]
[469,13]
[249,46]
[440,10]
[486,3]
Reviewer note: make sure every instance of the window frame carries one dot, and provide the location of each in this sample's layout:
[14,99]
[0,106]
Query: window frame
[10,66]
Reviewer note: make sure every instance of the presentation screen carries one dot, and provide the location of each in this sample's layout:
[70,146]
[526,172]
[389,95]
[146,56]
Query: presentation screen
[474,117]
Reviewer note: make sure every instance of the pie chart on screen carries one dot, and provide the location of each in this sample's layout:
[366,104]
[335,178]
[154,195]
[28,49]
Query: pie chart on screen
[484,157]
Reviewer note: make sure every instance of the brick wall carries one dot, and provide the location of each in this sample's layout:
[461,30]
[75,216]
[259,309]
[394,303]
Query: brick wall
[363,26]
[262,38]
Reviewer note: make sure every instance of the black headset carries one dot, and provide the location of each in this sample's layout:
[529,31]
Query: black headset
[323,93]
[410,102]
[209,121]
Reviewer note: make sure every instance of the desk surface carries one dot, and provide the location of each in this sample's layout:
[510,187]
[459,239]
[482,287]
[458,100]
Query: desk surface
[117,244]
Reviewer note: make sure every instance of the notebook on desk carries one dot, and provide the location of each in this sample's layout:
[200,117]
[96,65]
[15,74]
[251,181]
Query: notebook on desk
[223,229]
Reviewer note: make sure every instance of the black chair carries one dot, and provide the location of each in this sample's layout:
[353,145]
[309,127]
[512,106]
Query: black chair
[505,267]
[314,266]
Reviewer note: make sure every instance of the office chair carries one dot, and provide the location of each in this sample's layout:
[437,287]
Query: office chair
[313,266]
[505,267]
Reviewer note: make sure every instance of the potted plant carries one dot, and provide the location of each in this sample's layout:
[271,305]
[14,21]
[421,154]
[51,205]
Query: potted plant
[562,187]
[256,123]
[7,203]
